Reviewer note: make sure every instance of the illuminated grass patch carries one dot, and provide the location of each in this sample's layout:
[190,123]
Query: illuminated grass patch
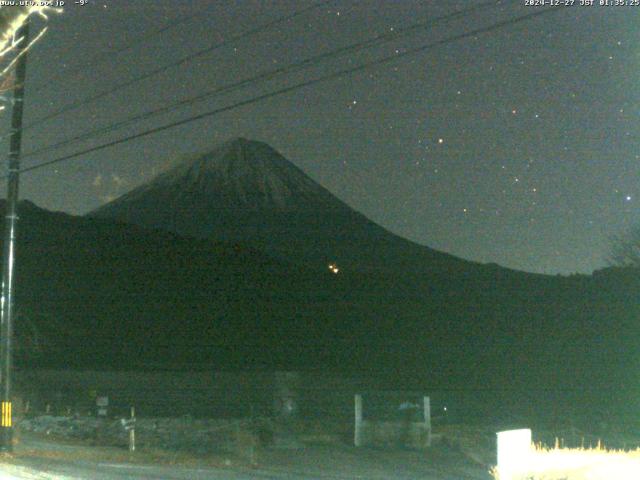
[542,463]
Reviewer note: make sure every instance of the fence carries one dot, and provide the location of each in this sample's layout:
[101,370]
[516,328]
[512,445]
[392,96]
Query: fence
[197,394]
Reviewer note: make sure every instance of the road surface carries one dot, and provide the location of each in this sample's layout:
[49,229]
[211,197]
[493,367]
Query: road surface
[42,459]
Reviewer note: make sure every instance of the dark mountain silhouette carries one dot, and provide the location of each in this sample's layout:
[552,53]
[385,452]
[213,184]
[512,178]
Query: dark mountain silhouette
[93,292]
[245,191]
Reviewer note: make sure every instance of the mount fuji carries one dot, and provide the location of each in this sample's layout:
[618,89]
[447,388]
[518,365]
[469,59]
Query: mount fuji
[245,191]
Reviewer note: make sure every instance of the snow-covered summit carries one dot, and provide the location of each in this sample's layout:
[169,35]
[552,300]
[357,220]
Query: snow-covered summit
[238,173]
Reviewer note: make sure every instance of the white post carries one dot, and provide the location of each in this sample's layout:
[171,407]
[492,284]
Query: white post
[427,418]
[514,451]
[357,434]
[132,432]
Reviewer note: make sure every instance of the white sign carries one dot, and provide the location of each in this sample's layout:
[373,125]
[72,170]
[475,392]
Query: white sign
[514,451]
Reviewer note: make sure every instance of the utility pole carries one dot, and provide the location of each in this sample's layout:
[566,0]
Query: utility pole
[9,247]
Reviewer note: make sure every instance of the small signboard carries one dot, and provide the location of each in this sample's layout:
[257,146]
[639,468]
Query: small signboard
[102,403]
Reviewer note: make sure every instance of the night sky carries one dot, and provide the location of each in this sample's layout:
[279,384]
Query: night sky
[519,146]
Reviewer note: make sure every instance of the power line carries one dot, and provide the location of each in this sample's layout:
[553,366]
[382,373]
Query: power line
[108,55]
[75,105]
[301,65]
[297,86]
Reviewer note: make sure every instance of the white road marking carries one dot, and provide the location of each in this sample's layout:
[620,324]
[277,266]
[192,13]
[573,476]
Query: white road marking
[126,465]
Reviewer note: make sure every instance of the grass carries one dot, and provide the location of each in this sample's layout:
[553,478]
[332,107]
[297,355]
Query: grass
[556,463]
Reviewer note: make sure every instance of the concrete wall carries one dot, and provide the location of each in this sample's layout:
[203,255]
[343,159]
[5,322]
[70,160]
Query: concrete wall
[412,435]
[401,424]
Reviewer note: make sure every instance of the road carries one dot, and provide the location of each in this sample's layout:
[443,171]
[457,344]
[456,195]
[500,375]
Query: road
[41,459]
[105,471]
